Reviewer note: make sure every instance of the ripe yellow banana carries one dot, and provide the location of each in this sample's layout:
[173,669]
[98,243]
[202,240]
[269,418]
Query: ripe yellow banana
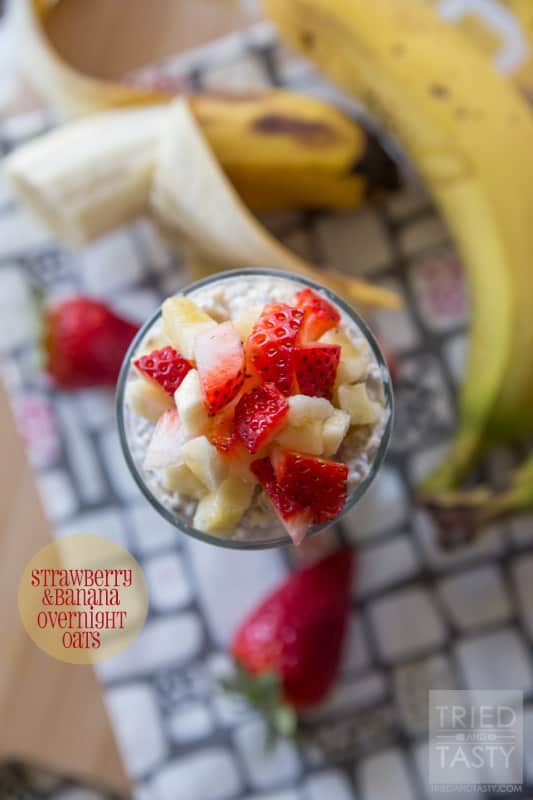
[282,150]
[279,149]
[191,198]
[502,30]
[469,133]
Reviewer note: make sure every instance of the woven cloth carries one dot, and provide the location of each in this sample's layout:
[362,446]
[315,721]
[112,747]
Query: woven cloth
[421,619]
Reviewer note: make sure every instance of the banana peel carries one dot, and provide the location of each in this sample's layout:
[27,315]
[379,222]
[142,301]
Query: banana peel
[192,197]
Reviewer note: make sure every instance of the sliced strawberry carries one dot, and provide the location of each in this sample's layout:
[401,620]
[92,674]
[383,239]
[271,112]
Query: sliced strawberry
[269,348]
[316,368]
[296,519]
[219,357]
[222,433]
[315,483]
[260,415]
[166,367]
[168,438]
[320,315]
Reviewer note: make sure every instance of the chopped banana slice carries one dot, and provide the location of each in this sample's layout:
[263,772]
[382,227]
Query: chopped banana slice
[190,403]
[334,431]
[354,361]
[304,410]
[222,510]
[245,322]
[182,480]
[304,439]
[356,402]
[183,320]
[147,399]
[205,462]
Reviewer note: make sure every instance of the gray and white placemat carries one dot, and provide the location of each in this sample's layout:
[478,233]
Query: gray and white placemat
[421,618]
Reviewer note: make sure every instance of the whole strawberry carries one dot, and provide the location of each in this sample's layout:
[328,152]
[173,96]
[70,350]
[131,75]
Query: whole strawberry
[288,650]
[85,343]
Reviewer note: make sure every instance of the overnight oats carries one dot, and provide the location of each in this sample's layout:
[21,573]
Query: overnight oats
[254,409]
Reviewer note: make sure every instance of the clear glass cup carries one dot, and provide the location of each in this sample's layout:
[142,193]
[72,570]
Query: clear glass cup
[259,537]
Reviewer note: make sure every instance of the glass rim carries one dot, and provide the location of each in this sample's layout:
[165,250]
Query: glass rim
[254,544]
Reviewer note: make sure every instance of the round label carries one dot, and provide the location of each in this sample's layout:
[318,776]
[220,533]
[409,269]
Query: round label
[83,599]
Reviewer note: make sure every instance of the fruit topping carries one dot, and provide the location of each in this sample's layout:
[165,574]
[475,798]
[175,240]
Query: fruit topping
[316,368]
[165,447]
[320,315]
[220,511]
[314,483]
[260,415]
[219,359]
[305,439]
[205,462]
[182,480]
[296,519]
[189,398]
[269,349]
[183,320]
[166,367]
[147,399]
[303,410]
[334,431]
[355,401]
[353,364]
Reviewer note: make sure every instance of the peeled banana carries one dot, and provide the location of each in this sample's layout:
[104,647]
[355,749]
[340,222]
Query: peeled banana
[191,197]
[469,133]
[279,149]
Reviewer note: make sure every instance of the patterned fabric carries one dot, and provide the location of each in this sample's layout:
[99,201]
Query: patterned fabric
[421,617]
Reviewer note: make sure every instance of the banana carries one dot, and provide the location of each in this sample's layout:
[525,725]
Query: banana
[284,151]
[502,30]
[462,517]
[192,198]
[467,131]
[279,149]
[89,177]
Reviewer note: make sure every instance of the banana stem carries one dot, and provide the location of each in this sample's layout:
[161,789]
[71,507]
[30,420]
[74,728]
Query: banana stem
[461,517]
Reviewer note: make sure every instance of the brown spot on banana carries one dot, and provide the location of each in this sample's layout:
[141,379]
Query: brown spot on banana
[310,132]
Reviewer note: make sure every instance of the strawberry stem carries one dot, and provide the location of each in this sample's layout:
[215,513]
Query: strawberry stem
[264,692]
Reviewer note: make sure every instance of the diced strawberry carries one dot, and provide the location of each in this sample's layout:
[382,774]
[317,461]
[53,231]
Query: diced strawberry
[166,367]
[269,348]
[260,415]
[316,368]
[222,433]
[296,519]
[168,438]
[313,482]
[219,357]
[320,315]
